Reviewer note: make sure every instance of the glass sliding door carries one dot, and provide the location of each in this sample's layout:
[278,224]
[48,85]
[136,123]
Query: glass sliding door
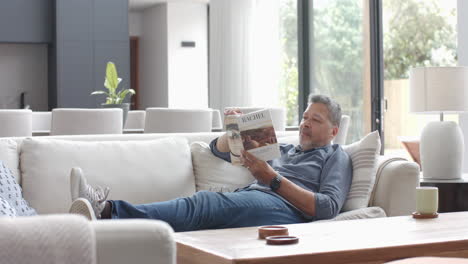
[289,78]
[415,33]
[340,58]
[337,52]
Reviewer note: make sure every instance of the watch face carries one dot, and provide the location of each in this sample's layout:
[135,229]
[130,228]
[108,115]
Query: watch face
[275,183]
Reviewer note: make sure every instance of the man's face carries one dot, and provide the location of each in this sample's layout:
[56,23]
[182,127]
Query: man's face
[315,129]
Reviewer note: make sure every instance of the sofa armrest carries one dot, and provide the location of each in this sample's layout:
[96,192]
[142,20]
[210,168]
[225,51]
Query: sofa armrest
[134,241]
[395,186]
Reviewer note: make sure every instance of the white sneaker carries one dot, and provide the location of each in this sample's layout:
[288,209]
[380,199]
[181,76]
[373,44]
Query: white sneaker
[94,196]
[82,206]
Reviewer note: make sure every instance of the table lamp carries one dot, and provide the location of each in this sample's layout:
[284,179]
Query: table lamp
[439,90]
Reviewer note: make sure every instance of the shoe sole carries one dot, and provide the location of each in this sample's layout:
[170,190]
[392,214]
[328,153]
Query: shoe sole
[82,207]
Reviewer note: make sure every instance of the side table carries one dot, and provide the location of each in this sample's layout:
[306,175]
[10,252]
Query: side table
[453,194]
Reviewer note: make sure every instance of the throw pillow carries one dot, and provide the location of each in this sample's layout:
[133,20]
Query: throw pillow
[215,174]
[10,192]
[6,209]
[364,155]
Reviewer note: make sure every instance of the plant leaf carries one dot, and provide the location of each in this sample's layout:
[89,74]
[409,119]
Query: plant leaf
[109,100]
[99,92]
[111,76]
[107,84]
[122,94]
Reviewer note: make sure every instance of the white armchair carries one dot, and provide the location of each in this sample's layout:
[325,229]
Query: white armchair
[15,123]
[80,121]
[340,138]
[217,120]
[41,121]
[135,120]
[172,120]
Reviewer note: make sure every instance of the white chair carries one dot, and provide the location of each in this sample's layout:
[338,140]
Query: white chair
[278,115]
[135,120]
[80,121]
[340,138]
[217,120]
[15,123]
[172,120]
[41,122]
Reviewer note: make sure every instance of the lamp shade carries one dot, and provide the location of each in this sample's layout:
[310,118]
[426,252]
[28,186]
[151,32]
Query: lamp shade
[439,89]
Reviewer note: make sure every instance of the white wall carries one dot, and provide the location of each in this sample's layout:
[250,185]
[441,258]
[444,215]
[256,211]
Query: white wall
[135,23]
[23,68]
[171,75]
[153,57]
[462,19]
[188,67]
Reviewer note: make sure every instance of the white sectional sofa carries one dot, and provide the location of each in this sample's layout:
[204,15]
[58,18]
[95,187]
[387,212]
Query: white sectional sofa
[144,168]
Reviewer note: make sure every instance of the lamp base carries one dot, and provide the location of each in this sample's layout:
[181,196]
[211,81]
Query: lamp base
[442,148]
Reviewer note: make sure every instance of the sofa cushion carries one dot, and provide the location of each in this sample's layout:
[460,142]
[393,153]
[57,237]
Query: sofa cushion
[10,191]
[361,213]
[215,174]
[135,171]
[9,155]
[364,155]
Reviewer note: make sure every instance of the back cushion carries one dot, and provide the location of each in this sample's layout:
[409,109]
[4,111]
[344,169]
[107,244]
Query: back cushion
[135,171]
[9,156]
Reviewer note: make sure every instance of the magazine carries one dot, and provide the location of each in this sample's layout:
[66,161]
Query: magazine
[253,132]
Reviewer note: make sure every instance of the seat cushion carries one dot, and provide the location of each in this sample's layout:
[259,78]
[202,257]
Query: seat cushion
[364,155]
[215,174]
[135,171]
[362,213]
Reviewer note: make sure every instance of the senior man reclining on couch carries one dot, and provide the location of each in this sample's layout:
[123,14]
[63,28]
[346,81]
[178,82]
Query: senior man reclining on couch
[308,182]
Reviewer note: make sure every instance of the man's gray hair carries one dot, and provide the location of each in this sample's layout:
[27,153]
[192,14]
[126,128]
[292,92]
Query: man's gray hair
[334,109]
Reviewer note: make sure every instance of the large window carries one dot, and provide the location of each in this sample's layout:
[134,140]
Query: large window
[289,79]
[416,33]
[340,58]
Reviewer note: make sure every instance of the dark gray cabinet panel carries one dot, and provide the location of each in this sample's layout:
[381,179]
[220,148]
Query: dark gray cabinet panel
[75,76]
[74,20]
[111,20]
[88,34]
[26,21]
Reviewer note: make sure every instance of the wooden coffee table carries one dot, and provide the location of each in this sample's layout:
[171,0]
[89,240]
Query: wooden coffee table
[351,241]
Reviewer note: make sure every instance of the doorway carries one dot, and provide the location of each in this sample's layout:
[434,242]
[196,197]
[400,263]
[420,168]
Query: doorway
[134,70]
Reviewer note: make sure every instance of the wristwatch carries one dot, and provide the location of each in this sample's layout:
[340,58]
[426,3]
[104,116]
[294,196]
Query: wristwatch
[275,183]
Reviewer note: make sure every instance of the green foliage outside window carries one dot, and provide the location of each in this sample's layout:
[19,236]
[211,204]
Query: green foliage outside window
[289,81]
[419,34]
[338,58]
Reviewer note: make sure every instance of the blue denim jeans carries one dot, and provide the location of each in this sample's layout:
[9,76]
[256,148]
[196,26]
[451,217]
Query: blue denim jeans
[214,210]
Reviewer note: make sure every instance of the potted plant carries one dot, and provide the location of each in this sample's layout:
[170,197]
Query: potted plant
[115,98]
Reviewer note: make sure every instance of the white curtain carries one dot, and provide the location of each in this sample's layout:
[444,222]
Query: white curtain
[244,53]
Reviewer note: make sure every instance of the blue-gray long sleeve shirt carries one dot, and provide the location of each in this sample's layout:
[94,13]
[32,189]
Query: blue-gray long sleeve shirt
[325,171]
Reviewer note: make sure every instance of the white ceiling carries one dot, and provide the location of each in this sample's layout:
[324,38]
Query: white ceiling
[138,5]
